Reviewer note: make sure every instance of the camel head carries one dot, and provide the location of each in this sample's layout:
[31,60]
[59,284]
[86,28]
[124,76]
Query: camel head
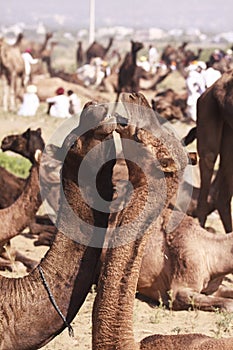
[136,46]
[158,144]
[24,144]
[48,35]
[95,127]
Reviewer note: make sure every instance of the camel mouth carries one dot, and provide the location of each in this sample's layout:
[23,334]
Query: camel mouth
[6,144]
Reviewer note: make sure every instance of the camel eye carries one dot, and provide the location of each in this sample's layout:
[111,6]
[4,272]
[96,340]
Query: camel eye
[168,165]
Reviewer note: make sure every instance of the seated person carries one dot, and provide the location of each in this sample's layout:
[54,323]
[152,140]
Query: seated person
[30,102]
[59,105]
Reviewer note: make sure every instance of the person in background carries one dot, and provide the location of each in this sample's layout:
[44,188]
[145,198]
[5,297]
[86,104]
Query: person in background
[28,60]
[30,102]
[211,75]
[152,57]
[59,105]
[195,84]
[75,104]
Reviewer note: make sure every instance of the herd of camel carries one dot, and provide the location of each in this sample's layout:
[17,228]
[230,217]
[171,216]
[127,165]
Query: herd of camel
[159,250]
[148,247]
[126,75]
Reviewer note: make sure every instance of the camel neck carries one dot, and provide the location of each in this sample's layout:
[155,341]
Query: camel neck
[69,269]
[16,217]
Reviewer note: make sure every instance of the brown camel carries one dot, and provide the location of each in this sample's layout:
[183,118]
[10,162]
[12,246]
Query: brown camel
[113,307]
[180,56]
[79,55]
[185,267]
[26,144]
[170,104]
[17,217]
[36,48]
[49,187]
[215,137]
[97,50]
[129,73]
[57,282]
[11,187]
[46,55]
[11,70]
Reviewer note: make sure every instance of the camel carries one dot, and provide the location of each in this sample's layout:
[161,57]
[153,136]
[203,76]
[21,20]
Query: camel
[214,136]
[25,144]
[146,81]
[79,55]
[17,217]
[128,77]
[113,306]
[46,55]
[11,187]
[61,285]
[170,105]
[36,48]
[11,70]
[180,56]
[48,187]
[97,50]
[188,264]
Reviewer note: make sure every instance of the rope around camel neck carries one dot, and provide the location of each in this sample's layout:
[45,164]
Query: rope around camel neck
[53,301]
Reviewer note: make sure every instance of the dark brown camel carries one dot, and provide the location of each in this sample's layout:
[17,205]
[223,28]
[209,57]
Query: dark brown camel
[179,56]
[113,307]
[129,76]
[97,50]
[11,187]
[26,144]
[68,279]
[170,105]
[215,137]
[79,55]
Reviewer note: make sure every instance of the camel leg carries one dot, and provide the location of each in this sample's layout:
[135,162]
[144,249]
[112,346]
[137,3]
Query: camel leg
[186,298]
[184,341]
[209,137]
[206,165]
[12,92]
[224,292]
[223,201]
[5,88]
[223,206]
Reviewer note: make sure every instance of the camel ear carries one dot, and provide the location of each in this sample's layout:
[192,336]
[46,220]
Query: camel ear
[26,134]
[38,131]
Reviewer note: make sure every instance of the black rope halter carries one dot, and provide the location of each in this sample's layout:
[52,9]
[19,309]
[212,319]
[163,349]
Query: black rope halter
[53,301]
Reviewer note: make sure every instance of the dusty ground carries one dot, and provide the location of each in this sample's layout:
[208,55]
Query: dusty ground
[147,320]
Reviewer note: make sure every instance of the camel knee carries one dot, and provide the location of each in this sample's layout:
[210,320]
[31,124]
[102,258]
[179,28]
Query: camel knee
[209,160]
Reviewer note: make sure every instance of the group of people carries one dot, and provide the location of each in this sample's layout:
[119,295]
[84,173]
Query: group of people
[60,106]
[200,76]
